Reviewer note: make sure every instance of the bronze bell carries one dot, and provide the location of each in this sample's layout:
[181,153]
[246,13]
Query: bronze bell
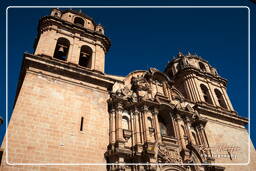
[61,49]
[84,55]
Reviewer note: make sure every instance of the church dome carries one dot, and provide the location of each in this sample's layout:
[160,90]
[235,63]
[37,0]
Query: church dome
[189,61]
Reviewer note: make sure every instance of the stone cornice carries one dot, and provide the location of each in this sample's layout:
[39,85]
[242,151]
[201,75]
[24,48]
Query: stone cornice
[220,114]
[188,70]
[69,70]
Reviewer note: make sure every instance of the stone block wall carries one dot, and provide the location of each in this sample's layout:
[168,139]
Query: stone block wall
[45,125]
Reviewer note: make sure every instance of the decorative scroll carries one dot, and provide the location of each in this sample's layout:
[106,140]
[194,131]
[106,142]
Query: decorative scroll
[168,156]
[141,86]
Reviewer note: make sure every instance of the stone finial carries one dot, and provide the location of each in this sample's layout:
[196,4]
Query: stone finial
[180,54]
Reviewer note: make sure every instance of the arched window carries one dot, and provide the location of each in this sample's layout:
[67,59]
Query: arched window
[79,21]
[206,95]
[62,48]
[166,127]
[150,123]
[202,66]
[85,58]
[220,98]
[125,123]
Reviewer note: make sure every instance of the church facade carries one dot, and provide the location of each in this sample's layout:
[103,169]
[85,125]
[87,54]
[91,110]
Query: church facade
[70,115]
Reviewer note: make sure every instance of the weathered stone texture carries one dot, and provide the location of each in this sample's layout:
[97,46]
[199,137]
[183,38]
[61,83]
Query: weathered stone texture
[222,135]
[45,124]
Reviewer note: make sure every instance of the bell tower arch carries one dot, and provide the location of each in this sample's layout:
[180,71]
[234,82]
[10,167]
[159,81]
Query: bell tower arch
[72,37]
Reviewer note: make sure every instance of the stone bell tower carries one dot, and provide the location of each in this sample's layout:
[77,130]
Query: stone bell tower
[203,87]
[72,37]
[199,82]
[60,113]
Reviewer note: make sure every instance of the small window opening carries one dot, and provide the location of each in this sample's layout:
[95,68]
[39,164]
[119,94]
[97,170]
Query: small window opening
[79,21]
[62,48]
[125,123]
[220,98]
[85,56]
[82,124]
[202,66]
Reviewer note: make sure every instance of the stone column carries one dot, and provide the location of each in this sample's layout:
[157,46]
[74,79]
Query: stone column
[156,125]
[188,125]
[200,128]
[141,127]
[136,126]
[203,135]
[199,136]
[187,89]
[165,91]
[212,96]
[182,141]
[119,130]
[112,127]
[74,50]
[194,95]
[144,121]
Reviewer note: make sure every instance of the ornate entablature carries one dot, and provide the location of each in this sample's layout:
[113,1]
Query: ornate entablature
[152,122]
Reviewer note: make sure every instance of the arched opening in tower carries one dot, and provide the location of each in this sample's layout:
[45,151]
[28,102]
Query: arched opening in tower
[220,98]
[206,94]
[62,48]
[79,21]
[202,66]
[85,58]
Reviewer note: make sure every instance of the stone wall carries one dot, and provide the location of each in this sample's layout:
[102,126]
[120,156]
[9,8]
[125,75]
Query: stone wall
[225,136]
[45,124]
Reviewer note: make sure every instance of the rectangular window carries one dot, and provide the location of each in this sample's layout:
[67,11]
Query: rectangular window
[82,124]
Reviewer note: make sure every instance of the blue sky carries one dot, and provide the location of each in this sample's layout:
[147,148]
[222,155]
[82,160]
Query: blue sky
[143,38]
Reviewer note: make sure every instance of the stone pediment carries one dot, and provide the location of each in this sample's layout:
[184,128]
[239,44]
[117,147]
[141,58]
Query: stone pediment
[151,85]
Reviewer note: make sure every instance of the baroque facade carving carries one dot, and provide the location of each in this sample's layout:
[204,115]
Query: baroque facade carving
[163,128]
